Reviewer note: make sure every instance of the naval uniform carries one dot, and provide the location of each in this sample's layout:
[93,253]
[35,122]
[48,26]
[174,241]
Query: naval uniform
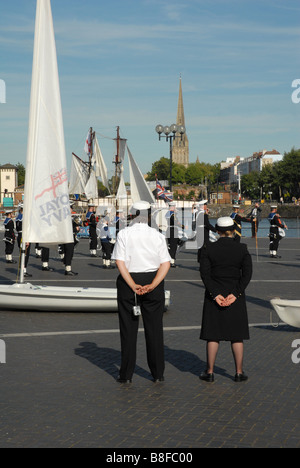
[238,225]
[143,250]
[92,222]
[207,227]
[9,239]
[275,237]
[173,240]
[226,268]
[19,229]
[68,250]
[105,239]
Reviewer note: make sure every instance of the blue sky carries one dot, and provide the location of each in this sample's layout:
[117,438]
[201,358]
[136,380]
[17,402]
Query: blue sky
[120,63]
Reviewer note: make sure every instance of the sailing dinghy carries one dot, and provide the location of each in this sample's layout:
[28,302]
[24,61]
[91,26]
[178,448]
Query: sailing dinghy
[288,311]
[47,215]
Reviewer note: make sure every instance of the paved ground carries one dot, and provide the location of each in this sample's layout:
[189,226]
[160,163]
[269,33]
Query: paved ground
[58,385]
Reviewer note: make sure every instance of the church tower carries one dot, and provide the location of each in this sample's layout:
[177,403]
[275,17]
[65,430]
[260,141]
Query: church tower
[181,148]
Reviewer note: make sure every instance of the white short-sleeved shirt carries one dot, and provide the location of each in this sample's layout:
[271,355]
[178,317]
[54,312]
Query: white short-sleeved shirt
[142,248]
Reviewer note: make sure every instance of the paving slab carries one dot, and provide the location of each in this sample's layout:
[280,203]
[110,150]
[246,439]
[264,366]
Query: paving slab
[58,385]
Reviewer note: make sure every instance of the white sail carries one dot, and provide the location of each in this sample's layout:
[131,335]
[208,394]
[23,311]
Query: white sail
[79,176]
[47,217]
[91,188]
[122,192]
[138,185]
[100,166]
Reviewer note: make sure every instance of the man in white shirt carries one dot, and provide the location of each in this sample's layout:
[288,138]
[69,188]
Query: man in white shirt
[143,260]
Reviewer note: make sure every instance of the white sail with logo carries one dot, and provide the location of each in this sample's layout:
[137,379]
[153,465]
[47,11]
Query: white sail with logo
[47,216]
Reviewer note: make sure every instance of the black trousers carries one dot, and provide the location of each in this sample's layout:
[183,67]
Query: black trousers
[93,238]
[172,246]
[69,252]
[9,247]
[152,306]
[274,238]
[107,249]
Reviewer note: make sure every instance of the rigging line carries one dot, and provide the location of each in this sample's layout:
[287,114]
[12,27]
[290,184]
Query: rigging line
[104,136]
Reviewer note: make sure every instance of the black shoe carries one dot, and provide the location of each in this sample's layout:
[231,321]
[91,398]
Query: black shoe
[11,262]
[70,273]
[27,275]
[207,377]
[162,379]
[126,381]
[47,269]
[240,377]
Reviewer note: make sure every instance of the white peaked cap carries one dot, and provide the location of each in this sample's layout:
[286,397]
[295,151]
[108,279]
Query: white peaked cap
[141,206]
[225,223]
[203,202]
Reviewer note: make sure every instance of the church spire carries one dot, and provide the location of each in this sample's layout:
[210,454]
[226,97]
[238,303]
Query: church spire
[180,110]
[181,146]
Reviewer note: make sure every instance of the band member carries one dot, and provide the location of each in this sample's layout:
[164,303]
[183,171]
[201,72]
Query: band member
[69,248]
[103,229]
[207,227]
[10,236]
[19,229]
[276,231]
[92,223]
[173,240]
[237,218]
[255,218]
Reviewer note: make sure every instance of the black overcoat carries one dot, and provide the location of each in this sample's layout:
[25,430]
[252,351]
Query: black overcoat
[226,268]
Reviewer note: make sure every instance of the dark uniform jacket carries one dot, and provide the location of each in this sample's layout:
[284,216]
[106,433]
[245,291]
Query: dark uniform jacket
[226,268]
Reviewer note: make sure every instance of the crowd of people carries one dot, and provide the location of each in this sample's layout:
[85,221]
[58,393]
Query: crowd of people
[103,231]
[144,246]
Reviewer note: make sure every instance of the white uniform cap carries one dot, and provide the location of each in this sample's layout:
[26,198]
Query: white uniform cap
[225,224]
[203,202]
[141,206]
[236,206]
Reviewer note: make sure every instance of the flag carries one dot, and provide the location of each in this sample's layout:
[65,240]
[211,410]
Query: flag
[162,192]
[88,143]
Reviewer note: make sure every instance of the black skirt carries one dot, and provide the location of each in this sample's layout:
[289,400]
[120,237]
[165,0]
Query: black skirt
[225,323]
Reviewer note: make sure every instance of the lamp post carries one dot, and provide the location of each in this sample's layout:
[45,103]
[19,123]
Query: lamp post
[170,133]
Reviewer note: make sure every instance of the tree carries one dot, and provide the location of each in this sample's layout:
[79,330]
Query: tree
[290,172]
[161,168]
[21,173]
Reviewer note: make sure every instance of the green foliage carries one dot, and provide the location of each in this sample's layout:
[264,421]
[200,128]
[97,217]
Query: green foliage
[21,173]
[195,174]
[281,178]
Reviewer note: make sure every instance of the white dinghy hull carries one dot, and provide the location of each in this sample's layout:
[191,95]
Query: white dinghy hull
[26,297]
[288,311]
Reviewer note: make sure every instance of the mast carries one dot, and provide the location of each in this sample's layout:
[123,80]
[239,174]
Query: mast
[121,143]
[117,162]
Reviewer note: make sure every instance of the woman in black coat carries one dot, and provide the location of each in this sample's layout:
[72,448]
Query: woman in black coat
[226,270]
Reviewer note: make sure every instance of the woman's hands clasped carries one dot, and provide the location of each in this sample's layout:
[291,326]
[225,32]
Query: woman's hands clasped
[225,301]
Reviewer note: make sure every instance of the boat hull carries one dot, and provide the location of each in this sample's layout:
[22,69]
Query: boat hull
[59,299]
[288,311]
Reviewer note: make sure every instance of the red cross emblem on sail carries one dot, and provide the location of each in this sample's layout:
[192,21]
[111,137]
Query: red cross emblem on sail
[57,179]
